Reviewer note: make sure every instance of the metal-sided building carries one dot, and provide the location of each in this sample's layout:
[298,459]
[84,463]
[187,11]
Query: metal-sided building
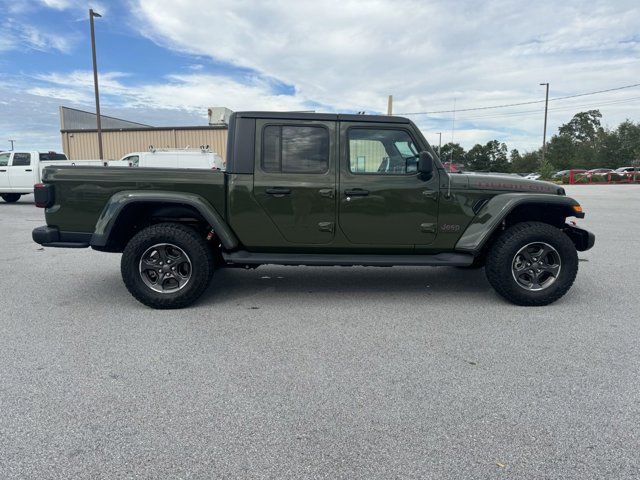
[120,137]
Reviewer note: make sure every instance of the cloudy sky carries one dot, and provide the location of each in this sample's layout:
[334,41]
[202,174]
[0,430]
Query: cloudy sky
[163,62]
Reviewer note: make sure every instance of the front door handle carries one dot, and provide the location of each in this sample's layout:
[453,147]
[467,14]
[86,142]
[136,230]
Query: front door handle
[28,170]
[432,194]
[278,191]
[356,192]
[3,170]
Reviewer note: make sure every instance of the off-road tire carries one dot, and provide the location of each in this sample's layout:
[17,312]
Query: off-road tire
[501,255]
[187,239]
[11,197]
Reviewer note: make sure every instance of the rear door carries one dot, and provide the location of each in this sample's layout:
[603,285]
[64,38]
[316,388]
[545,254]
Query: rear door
[21,176]
[382,199]
[295,178]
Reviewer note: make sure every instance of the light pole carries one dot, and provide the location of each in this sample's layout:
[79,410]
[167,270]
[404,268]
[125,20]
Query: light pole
[544,133]
[95,79]
[439,142]
[11,141]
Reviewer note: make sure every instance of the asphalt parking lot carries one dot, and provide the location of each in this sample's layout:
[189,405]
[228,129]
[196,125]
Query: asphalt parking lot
[298,372]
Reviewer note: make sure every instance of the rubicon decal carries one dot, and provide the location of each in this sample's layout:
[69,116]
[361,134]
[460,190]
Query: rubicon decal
[514,186]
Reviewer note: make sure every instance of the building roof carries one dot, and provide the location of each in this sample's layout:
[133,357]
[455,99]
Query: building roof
[74,119]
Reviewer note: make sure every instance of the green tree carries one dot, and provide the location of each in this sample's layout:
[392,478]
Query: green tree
[477,159]
[546,169]
[452,152]
[561,152]
[526,163]
[628,135]
[583,127]
[491,157]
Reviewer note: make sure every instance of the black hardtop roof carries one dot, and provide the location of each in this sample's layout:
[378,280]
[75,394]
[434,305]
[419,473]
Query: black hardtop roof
[323,116]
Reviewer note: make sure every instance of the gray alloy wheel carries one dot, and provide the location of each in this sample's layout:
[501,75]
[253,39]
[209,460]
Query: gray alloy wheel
[165,268]
[536,266]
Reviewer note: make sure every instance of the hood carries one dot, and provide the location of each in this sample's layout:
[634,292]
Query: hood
[511,183]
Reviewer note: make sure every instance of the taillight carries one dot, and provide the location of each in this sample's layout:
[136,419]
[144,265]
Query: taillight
[43,195]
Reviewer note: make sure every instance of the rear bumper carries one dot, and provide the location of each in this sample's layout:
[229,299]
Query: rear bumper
[52,237]
[583,239]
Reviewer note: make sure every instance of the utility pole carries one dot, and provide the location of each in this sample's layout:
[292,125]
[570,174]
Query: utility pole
[95,79]
[11,141]
[439,142]
[390,105]
[544,133]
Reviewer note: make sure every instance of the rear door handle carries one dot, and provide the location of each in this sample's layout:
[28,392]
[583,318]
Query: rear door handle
[28,170]
[3,170]
[278,191]
[356,192]
[327,192]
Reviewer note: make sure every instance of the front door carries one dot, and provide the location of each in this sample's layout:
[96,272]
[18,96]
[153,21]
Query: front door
[295,178]
[383,200]
[21,176]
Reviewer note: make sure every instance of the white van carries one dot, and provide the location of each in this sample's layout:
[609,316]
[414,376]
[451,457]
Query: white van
[173,158]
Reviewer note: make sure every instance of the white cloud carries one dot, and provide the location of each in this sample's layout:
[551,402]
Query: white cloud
[189,92]
[18,35]
[350,55]
[76,4]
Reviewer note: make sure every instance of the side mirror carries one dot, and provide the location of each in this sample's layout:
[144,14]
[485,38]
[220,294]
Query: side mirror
[425,164]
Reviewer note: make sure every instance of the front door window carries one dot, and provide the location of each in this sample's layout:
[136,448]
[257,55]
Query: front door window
[382,152]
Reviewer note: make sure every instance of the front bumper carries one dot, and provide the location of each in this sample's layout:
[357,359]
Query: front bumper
[52,237]
[582,239]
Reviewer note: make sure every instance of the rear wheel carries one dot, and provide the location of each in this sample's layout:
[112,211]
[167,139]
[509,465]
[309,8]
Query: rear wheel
[11,197]
[167,265]
[532,264]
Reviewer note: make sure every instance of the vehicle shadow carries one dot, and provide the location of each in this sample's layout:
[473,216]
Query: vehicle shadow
[340,283]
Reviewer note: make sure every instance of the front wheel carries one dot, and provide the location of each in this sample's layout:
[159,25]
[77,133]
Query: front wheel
[167,265]
[532,264]
[11,197]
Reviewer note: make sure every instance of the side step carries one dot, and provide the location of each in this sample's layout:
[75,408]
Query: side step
[243,257]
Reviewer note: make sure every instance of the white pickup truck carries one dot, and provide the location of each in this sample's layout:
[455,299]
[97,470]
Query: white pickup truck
[21,170]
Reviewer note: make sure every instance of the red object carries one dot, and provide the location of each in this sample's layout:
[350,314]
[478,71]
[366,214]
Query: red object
[42,195]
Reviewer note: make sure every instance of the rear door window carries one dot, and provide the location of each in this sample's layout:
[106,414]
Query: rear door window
[50,156]
[4,159]
[295,149]
[21,159]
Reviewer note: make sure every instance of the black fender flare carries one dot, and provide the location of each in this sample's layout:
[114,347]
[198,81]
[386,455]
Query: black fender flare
[488,219]
[114,207]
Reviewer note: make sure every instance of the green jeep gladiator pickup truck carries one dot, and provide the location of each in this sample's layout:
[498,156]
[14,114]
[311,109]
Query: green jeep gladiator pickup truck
[315,189]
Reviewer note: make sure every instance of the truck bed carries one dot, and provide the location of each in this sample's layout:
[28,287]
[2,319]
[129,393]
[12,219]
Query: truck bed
[87,189]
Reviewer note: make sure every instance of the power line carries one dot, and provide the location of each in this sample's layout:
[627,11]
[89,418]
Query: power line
[540,110]
[521,103]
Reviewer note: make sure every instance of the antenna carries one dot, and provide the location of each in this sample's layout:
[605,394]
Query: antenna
[453,131]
